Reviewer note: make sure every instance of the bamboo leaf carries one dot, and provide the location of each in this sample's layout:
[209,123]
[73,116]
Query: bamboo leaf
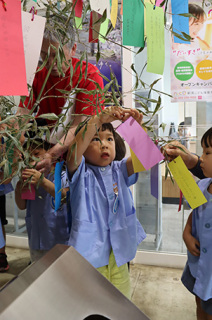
[48,116]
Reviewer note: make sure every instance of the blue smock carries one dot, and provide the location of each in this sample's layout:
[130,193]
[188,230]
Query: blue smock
[45,227]
[98,225]
[201,267]
[6,188]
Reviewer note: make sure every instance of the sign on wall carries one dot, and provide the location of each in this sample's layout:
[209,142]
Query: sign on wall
[191,62]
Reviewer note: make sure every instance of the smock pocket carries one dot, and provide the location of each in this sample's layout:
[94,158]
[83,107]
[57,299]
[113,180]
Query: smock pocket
[83,236]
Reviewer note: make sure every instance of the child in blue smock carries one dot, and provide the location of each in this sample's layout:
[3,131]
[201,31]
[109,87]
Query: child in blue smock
[4,189]
[105,230]
[45,227]
[197,275]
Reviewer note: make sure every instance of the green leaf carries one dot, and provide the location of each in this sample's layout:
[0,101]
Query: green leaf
[48,116]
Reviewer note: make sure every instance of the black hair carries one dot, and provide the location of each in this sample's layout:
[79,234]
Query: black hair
[119,142]
[207,138]
[37,144]
[196,11]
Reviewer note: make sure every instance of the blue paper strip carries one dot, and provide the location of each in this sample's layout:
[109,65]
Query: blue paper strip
[57,178]
[154,181]
[180,23]
[2,241]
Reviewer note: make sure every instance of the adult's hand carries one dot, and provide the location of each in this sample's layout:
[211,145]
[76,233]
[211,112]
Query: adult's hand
[174,149]
[45,165]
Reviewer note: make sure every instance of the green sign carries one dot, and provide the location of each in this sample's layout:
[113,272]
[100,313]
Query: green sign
[184,71]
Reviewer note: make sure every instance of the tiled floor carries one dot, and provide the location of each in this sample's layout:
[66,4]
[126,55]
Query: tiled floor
[157,291]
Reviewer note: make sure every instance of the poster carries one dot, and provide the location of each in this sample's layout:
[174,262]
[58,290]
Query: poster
[191,63]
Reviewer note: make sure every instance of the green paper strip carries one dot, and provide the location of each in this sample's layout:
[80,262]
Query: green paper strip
[103,30]
[133,23]
[78,22]
[155,39]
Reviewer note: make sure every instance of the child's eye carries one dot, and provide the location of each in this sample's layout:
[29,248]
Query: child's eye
[36,154]
[110,139]
[95,139]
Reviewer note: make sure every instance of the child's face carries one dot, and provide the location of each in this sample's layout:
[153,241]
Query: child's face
[101,150]
[195,25]
[37,153]
[206,161]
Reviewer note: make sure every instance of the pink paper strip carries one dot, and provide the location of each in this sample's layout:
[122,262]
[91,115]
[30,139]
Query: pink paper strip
[141,144]
[29,194]
[12,62]
[158,2]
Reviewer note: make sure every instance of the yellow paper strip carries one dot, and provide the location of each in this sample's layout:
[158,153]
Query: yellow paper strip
[186,183]
[114,12]
[137,165]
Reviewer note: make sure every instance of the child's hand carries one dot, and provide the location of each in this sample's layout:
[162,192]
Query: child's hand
[138,116]
[111,113]
[117,113]
[33,174]
[192,245]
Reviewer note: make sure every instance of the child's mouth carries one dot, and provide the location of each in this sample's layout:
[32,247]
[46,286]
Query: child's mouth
[104,155]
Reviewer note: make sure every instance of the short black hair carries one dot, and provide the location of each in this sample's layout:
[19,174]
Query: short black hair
[37,144]
[207,138]
[119,142]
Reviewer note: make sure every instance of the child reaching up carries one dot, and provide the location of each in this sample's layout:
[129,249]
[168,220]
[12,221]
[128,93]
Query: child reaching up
[105,229]
[45,227]
[197,275]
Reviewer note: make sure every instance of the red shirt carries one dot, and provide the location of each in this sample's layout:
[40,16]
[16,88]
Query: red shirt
[53,101]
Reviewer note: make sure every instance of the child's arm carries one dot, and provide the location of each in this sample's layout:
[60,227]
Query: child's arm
[191,243]
[46,184]
[138,117]
[86,134]
[21,203]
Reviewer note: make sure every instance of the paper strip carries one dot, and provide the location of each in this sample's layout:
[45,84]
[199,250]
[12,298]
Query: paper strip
[12,63]
[137,165]
[58,191]
[133,23]
[180,23]
[114,12]
[78,8]
[158,2]
[95,26]
[78,22]
[91,39]
[100,6]
[103,31]
[155,39]
[32,37]
[141,144]
[29,194]
[154,181]
[186,183]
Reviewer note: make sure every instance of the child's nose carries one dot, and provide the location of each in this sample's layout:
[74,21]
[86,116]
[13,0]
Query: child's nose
[104,144]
